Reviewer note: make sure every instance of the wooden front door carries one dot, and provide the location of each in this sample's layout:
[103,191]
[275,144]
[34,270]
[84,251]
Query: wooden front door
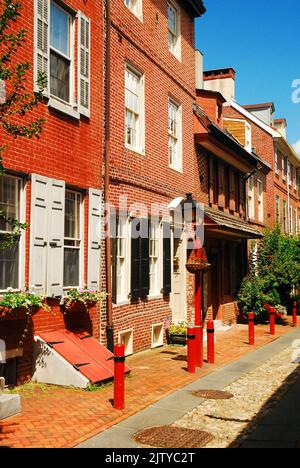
[215,281]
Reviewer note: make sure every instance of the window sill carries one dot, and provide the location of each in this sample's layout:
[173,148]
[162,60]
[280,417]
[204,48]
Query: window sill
[153,297]
[179,171]
[176,55]
[63,108]
[122,303]
[137,151]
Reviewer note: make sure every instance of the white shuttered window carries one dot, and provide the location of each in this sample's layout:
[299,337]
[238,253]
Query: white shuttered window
[56,228]
[10,207]
[94,242]
[84,60]
[41,40]
[55,48]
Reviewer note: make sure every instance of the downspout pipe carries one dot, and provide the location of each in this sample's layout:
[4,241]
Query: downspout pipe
[109,326]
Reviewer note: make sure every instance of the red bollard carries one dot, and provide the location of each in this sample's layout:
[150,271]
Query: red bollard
[119,380]
[295,319]
[272,321]
[199,346]
[210,342]
[251,323]
[191,345]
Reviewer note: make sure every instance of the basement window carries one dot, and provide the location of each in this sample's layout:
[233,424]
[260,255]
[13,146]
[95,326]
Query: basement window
[157,335]
[126,338]
[9,372]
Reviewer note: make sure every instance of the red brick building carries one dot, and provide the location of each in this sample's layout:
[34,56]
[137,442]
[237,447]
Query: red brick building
[151,120]
[54,184]
[224,167]
[273,196]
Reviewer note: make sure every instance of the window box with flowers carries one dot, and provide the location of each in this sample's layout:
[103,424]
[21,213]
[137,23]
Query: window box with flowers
[82,299]
[20,301]
[177,334]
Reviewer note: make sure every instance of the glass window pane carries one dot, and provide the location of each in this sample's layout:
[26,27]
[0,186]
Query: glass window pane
[60,77]
[71,267]
[72,206]
[9,267]
[9,200]
[60,29]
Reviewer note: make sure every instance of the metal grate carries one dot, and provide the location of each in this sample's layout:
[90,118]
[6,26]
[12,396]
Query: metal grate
[173,437]
[213,395]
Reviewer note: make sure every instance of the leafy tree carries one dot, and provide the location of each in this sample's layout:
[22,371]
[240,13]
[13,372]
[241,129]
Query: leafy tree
[275,275]
[15,109]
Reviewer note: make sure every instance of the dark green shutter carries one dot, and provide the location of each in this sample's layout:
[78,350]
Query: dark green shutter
[135,260]
[167,261]
[145,259]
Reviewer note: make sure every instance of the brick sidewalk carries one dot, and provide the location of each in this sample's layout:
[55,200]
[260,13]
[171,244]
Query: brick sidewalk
[56,417]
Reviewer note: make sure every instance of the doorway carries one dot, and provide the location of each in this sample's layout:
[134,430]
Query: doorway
[179,298]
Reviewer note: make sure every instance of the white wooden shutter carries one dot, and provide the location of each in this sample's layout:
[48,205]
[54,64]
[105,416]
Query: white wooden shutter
[42,41]
[84,64]
[39,234]
[94,239]
[56,227]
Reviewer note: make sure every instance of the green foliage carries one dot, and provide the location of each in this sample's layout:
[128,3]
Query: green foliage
[84,296]
[22,300]
[179,329]
[253,296]
[15,112]
[274,273]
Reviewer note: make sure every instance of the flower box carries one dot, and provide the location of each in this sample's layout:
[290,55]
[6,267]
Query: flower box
[177,339]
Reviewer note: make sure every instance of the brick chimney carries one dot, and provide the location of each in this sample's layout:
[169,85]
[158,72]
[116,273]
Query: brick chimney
[222,81]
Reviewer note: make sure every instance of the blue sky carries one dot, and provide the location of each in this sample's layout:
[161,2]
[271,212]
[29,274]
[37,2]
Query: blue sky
[261,41]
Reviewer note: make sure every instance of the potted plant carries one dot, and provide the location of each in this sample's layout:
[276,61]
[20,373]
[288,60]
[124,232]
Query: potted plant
[177,334]
[281,311]
[198,264]
[76,298]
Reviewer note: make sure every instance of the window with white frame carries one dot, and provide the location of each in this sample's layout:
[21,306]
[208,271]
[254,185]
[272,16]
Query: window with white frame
[291,220]
[278,210]
[55,30]
[295,179]
[284,167]
[135,6]
[73,239]
[285,225]
[276,163]
[154,248]
[61,24]
[251,207]
[289,173]
[248,137]
[119,260]
[174,126]
[174,32]
[134,120]
[10,192]
[295,221]
[260,199]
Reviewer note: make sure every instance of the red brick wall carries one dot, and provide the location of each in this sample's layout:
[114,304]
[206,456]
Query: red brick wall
[148,179]
[264,147]
[70,150]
